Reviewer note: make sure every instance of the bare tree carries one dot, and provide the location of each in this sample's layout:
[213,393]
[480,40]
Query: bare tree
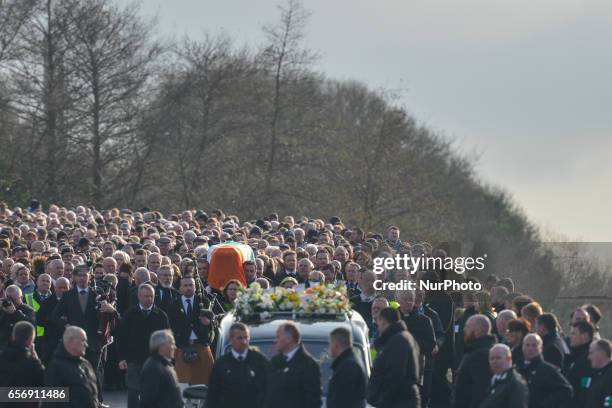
[286,60]
[13,16]
[112,55]
[40,93]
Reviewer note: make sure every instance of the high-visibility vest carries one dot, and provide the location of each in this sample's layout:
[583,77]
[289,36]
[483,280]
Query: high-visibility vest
[30,301]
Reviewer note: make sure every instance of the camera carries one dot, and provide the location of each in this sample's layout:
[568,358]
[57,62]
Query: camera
[7,303]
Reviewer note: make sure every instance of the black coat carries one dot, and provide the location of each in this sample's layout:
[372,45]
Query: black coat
[459,346]
[600,390]
[23,312]
[578,370]
[364,308]
[53,331]
[135,330]
[396,369]
[517,355]
[68,310]
[123,294]
[159,384]
[547,386]
[169,297]
[347,385]
[76,373]
[421,328]
[296,384]
[474,374]
[20,367]
[554,349]
[436,323]
[511,392]
[229,374]
[182,325]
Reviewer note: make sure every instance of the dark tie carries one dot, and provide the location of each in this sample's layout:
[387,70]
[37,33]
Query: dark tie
[83,299]
[189,308]
[146,312]
[240,358]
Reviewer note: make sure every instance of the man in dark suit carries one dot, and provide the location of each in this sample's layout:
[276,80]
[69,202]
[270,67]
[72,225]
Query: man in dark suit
[347,386]
[137,325]
[396,370]
[78,307]
[165,294]
[53,331]
[507,388]
[577,366]
[19,364]
[600,384]
[547,386]
[242,368]
[288,269]
[68,368]
[474,373]
[294,378]
[158,382]
[192,326]
[362,302]
[555,349]
[421,328]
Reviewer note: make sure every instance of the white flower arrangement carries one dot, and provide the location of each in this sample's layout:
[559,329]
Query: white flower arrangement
[322,299]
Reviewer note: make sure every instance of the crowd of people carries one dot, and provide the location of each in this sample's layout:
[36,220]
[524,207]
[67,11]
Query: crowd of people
[96,300]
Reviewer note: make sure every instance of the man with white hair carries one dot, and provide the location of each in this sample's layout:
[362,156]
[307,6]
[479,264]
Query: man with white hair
[501,321]
[474,373]
[158,381]
[70,369]
[55,268]
[547,387]
[507,388]
[13,310]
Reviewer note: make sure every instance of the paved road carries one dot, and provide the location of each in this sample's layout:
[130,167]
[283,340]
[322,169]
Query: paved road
[116,399]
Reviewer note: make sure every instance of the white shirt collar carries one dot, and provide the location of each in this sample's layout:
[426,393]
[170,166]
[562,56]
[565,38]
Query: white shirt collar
[243,354]
[80,289]
[290,354]
[499,377]
[190,299]
[142,308]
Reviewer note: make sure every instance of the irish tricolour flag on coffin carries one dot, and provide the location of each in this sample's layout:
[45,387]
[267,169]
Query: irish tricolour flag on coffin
[226,262]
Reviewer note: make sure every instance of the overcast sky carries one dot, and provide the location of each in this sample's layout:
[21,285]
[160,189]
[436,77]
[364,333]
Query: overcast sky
[527,83]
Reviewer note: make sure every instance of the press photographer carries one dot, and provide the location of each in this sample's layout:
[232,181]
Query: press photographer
[13,310]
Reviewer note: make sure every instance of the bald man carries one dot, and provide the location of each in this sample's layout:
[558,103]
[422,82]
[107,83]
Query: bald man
[70,369]
[507,389]
[547,387]
[474,373]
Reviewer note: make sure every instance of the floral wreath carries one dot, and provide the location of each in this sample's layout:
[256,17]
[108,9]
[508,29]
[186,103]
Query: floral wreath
[255,302]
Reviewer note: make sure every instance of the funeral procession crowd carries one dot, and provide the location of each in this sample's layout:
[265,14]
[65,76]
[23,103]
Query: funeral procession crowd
[98,300]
